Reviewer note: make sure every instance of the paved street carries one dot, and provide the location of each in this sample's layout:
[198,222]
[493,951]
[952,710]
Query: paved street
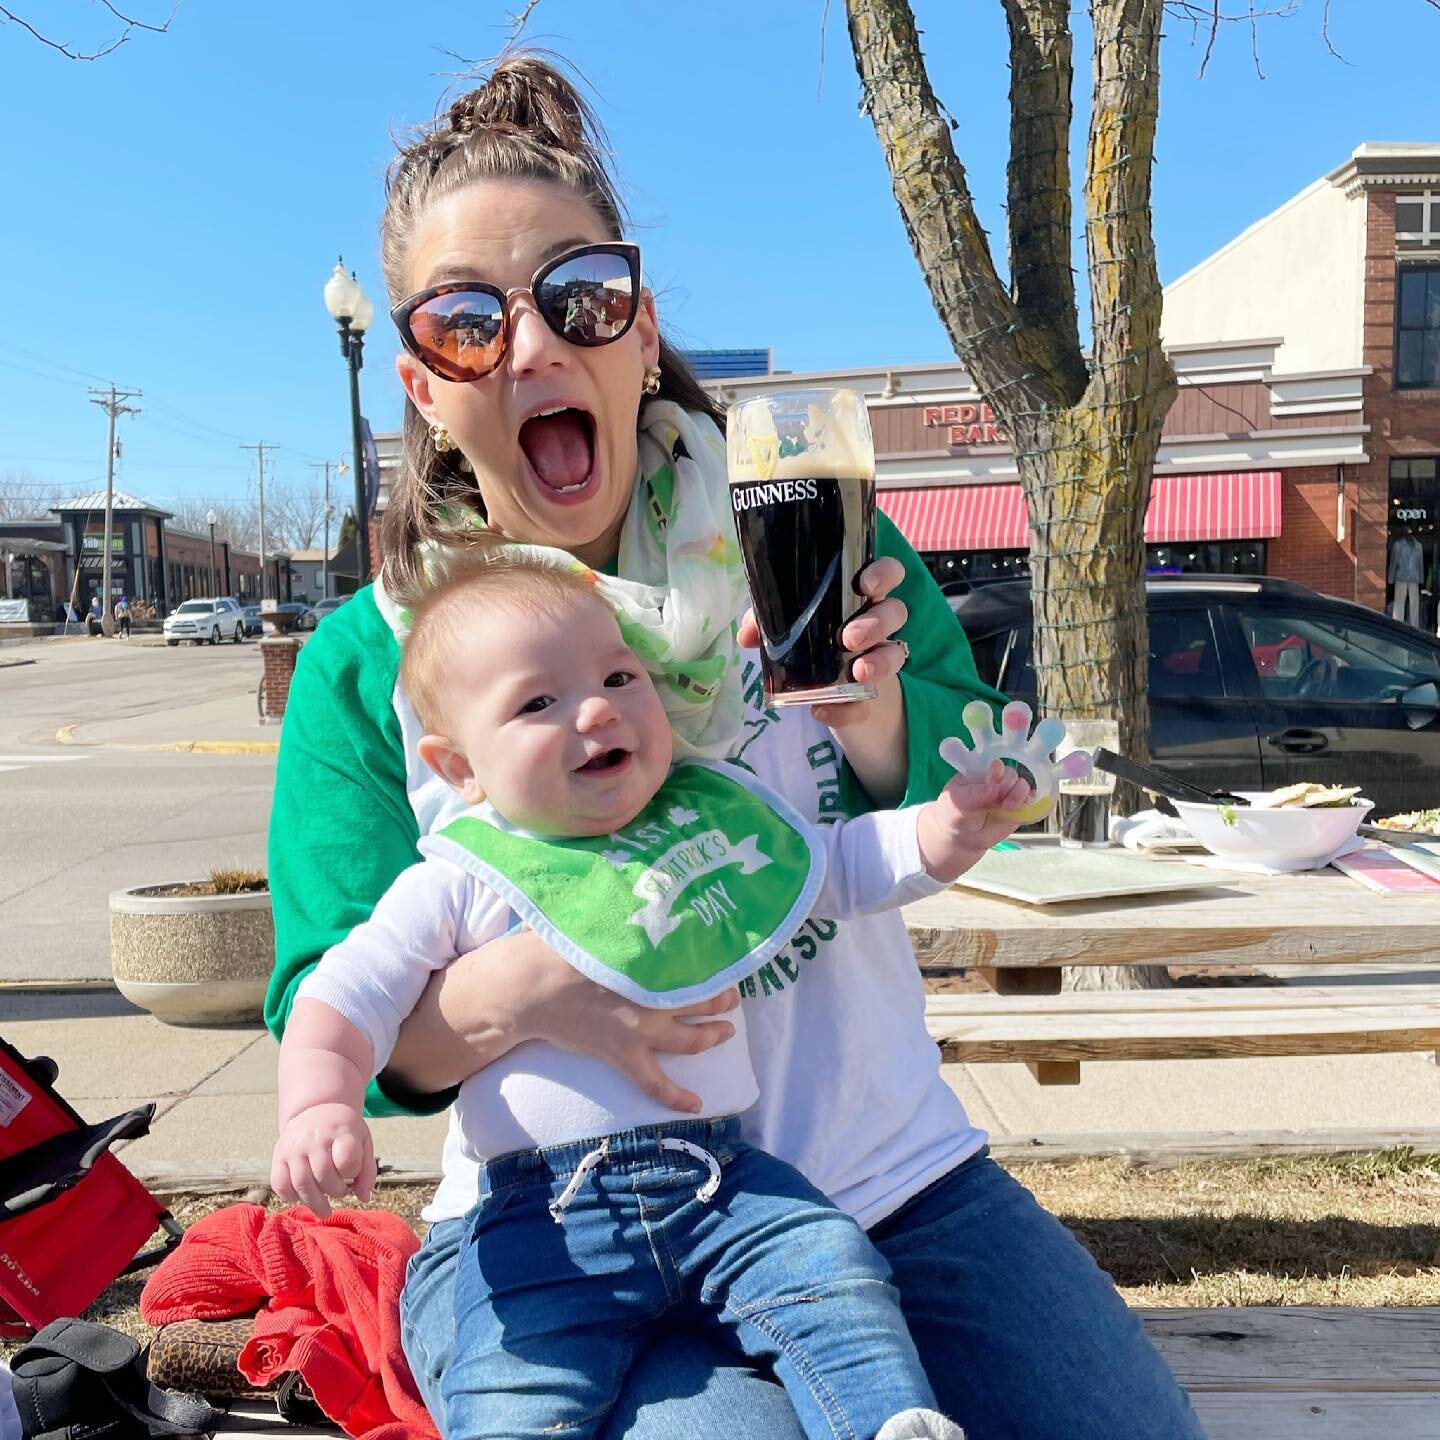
[80,820]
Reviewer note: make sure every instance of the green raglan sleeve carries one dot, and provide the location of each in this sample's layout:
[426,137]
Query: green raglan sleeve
[938,681]
[341,827]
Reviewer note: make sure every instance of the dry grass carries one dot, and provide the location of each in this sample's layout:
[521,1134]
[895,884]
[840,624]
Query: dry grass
[238,881]
[1335,1231]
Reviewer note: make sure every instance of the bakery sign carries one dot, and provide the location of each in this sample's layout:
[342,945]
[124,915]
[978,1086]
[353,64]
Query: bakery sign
[969,424]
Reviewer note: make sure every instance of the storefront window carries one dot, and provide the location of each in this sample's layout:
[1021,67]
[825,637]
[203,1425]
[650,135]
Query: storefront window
[1417,327]
[1417,219]
[977,567]
[962,568]
[1207,557]
[1412,565]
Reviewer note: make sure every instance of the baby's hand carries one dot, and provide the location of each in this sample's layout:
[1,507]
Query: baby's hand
[323,1154]
[969,817]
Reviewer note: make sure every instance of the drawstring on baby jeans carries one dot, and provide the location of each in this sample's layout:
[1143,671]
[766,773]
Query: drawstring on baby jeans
[601,1153]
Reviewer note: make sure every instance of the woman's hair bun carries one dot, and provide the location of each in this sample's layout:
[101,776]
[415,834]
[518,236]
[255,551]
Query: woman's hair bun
[527,95]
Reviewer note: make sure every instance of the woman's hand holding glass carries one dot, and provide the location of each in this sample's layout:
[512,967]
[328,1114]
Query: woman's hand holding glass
[872,732]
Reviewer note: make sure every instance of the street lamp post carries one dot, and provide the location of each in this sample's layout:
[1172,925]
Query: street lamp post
[352,311]
[210,519]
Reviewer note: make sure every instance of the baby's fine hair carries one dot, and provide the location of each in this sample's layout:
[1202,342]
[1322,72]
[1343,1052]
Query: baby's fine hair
[476,584]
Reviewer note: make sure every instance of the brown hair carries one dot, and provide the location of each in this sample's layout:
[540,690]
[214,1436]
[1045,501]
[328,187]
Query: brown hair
[527,121]
[475,577]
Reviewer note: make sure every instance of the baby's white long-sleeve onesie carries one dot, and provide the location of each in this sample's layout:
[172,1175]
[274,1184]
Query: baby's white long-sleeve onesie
[540,1094]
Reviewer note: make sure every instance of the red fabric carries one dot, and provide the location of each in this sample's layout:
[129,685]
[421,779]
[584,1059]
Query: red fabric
[330,1292]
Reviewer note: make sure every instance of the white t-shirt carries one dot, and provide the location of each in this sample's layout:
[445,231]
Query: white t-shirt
[849,1082]
[539,1094]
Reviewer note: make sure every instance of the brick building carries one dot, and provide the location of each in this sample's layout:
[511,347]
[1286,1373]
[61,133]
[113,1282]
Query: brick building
[150,559]
[1305,435]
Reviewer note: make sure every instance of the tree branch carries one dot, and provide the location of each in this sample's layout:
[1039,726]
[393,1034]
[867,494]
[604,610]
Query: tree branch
[1124,279]
[1038,178]
[517,23]
[984,323]
[1211,14]
[9,16]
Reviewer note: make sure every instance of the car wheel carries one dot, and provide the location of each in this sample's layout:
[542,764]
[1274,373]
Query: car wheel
[215,635]
[238,633]
[172,642]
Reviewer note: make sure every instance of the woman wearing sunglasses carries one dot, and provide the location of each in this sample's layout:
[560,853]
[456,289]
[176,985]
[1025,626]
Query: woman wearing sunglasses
[544,404]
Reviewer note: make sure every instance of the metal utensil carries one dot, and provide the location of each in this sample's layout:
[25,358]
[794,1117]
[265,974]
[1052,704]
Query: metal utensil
[1161,782]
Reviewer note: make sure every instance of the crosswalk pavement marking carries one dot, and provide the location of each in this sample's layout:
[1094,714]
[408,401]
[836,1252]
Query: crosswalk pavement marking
[24,762]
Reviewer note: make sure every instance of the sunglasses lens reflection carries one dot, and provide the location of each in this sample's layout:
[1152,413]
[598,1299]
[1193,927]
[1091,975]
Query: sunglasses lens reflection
[588,299]
[462,334]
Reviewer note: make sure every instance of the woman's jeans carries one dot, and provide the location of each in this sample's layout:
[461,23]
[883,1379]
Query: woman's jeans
[578,1255]
[1022,1335]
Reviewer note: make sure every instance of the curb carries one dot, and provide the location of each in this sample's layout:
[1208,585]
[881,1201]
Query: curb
[65,735]
[57,987]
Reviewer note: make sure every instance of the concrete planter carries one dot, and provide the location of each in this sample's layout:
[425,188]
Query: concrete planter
[192,959]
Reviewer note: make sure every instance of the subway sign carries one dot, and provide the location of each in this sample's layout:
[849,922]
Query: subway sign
[969,424]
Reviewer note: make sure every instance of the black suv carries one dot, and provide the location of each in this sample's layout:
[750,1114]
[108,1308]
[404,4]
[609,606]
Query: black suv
[1257,683]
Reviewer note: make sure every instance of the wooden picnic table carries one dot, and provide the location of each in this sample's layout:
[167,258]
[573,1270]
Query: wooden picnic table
[1237,920]
[1317,917]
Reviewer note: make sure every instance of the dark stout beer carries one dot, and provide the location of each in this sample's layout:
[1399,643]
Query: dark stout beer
[802,486]
[805,542]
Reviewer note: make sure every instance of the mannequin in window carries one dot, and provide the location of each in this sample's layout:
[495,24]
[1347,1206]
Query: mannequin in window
[1407,570]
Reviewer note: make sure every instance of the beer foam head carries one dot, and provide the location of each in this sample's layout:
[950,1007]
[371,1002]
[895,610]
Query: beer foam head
[799,434]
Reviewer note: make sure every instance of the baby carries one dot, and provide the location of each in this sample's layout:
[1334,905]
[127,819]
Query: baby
[601,1213]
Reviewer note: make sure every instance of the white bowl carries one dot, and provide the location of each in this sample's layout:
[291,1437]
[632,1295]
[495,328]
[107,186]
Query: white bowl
[1243,833]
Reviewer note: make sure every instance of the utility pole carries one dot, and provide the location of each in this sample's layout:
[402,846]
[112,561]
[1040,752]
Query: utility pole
[325,551]
[260,450]
[111,402]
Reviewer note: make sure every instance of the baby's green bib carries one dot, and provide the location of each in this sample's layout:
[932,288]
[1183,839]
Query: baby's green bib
[700,889]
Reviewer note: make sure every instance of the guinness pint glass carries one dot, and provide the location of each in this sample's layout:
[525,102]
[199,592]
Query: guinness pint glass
[802,486]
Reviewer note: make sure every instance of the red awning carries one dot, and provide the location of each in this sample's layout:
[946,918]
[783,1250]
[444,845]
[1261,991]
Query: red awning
[1238,505]
[960,517]
[1242,505]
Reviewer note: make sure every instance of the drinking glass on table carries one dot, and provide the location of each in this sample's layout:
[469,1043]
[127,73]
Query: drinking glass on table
[802,486]
[1084,809]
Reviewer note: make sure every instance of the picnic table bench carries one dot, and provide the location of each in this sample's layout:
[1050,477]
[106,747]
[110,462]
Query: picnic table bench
[1255,921]
[1297,1373]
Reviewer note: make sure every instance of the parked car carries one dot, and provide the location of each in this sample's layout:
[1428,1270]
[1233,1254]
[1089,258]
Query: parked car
[200,620]
[253,623]
[1257,683]
[328,606]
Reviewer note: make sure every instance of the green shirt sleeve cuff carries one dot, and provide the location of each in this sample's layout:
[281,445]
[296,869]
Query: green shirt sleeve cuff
[388,1095]
[939,679]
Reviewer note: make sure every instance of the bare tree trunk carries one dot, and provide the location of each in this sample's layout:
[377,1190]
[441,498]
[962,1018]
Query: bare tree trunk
[1085,430]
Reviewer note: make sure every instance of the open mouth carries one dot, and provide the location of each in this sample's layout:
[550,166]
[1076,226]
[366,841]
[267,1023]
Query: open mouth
[608,762]
[560,447]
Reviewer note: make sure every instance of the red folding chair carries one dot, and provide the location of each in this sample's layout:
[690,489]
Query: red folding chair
[72,1217]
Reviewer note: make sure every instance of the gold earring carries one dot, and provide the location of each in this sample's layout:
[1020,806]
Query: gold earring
[441,438]
[651,385]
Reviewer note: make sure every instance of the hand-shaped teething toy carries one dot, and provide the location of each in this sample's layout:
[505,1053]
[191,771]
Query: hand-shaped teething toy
[1015,742]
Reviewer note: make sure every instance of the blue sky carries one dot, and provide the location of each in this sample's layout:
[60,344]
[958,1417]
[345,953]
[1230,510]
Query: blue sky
[172,210]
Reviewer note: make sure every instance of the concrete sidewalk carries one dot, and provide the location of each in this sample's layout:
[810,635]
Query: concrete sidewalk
[215,1089]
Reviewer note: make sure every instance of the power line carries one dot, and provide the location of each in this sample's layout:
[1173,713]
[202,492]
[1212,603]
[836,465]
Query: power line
[53,364]
[162,405]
